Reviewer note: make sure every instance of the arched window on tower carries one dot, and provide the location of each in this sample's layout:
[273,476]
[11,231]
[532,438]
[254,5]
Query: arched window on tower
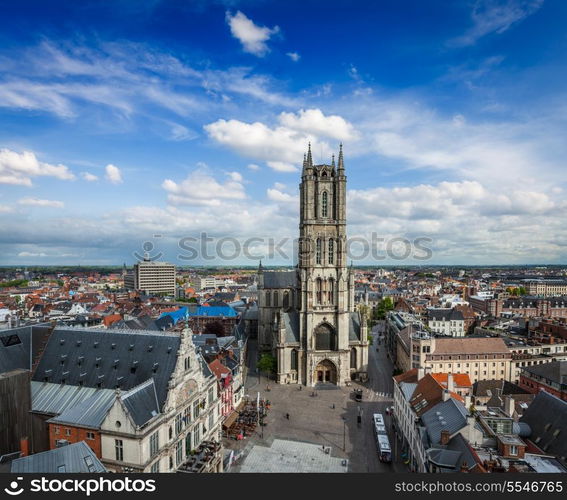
[286,299]
[318,289]
[318,251]
[294,359]
[331,298]
[268,299]
[331,255]
[324,204]
[275,299]
[325,338]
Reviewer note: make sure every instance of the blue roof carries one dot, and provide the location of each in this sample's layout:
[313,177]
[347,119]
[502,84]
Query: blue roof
[182,312]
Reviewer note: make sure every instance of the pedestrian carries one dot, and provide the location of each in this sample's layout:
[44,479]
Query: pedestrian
[287,416]
[333,406]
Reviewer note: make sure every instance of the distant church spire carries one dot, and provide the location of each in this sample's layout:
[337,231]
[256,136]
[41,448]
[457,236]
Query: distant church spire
[341,160]
[333,161]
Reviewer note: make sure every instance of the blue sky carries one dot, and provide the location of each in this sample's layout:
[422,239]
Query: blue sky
[124,120]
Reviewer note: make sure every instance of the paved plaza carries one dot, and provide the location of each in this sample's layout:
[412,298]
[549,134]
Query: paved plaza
[325,416]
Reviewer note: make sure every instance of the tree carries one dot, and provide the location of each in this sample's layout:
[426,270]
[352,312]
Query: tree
[385,305]
[267,363]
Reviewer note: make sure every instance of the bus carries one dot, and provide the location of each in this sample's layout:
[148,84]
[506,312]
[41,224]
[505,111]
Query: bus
[382,441]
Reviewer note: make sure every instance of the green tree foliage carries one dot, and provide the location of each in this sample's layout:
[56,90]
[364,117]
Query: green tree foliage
[267,363]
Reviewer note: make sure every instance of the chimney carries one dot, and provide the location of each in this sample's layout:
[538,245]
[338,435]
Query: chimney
[24,446]
[446,395]
[420,373]
[509,405]
[445,437]
[450,383]
[464,467]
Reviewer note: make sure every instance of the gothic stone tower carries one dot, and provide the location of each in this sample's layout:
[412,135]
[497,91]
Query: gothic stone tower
[307,316]
[331,331]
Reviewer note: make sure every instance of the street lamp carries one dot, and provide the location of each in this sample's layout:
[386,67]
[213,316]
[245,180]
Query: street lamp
[344,434]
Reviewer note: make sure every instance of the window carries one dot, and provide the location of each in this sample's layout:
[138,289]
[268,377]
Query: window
[325,338]
[154,443]
[196,409]
[188,444]
[211,420]
[61,468]
[67,432]
[276,299]
[318,251]
[90,435]
[318,285]
[331,256]
[178,424]
[155,467]
[353,358]
[211,396]
[324,204]
[179,453]
[268,299]
[57,430]
[286,299]
[513,450]
[294,359]
[119,449]
[187,363]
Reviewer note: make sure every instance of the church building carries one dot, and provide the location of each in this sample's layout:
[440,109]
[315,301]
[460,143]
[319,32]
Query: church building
[307,317]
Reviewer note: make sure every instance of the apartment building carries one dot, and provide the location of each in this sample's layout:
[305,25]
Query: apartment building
[152,277]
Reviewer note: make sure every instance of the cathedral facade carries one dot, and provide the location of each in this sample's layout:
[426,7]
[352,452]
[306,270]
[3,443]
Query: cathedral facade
[307,316]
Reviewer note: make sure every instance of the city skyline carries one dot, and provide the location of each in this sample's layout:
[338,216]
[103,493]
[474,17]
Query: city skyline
[192,119]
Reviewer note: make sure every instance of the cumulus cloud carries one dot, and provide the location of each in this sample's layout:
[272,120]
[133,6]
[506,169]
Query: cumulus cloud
[282,146]
[19,168]
[294,56]
[36,202]
[313,121]
[253,38]
[276,194]
[495,16]
[113,174]
[201,188]
[253,167]
[89,177]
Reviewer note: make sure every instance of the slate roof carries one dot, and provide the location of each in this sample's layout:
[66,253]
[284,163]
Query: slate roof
[451,457]
[73,458]
[354,327]
[111,358]
[15,346]
[291,322]
[547,418]
[482,388]
[445,315]
[556,371]
[450,415]
[280,279]
[141,402]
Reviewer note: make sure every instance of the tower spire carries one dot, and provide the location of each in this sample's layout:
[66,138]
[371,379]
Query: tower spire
[341,160]
[333,161]
[309,157]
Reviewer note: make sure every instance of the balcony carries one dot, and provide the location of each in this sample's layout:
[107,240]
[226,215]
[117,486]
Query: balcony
[207,458]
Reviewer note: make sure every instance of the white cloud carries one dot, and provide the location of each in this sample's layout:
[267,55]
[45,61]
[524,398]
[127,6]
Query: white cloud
[113,174]
[19,168]
[495,16]
[253,167]
[282,147]
[313,121]
[32,254]
[36,202]
[89,177]
[252,37]
[201,188]
[278,195]
[294,56]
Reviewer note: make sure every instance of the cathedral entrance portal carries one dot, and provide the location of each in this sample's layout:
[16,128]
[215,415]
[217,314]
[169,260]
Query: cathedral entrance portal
[326,372]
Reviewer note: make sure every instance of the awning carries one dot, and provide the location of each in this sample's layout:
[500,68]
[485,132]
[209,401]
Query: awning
[230,420]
